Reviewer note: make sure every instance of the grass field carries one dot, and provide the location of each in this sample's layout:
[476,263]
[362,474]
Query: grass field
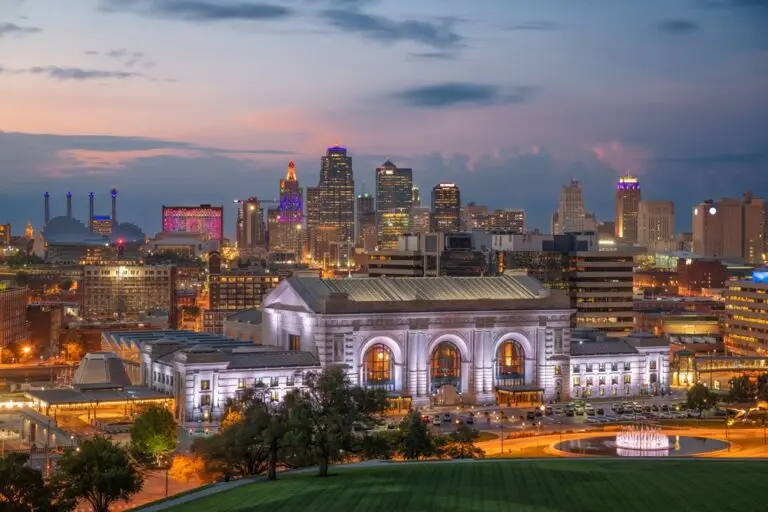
[558,485]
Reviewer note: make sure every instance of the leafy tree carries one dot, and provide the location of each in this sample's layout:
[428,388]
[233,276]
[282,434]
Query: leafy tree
[322,417]
[272,424]
[237,449]
[100,472]
[762,387]
[153,434]
[699,397]
[381,445]
[415,441]
[742,389]
[189,468]
[235,407]
[461,444]
[22,488]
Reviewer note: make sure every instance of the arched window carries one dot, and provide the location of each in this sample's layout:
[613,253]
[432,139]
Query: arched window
[445,366]
[510,364]
[378,367]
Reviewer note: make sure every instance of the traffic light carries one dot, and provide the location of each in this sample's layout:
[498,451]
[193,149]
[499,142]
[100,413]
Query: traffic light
[120,247]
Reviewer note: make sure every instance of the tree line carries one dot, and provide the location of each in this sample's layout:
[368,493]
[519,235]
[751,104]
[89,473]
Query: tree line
[328,421]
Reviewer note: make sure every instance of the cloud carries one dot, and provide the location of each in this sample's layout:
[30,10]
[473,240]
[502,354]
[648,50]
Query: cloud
[534,25]
[440,35]
[708,160]
[126,57]
[200,10]
[80,74]
[434,55]
[8,29]
[677,26]
[462,93]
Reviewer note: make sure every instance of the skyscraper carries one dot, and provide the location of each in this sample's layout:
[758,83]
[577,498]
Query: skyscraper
[656,225]
[415,196]
[627,205]
[571,215]
[337,196]
[730,228]
[313,222]
[508,220]
[288,235]
[394,195]
[250,217]
[366,222]
[446,208]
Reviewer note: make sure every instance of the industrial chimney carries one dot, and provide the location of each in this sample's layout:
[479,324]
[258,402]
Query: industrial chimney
[47,207]
[114,207]
[69,204]
[90,212]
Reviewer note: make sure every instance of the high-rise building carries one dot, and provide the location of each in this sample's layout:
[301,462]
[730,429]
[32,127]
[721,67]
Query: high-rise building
[509,221]
[251,232]
[420,220]
[337,197]
[313,222]
[746,303]
[627,205]
[13,316]
[656,225]
[415,196]
[5,234]
[126,292]
[446,208]
[205,219]
[394,195]
[473,216]
[730,228]
[366,222]
[288,230]
[571,215]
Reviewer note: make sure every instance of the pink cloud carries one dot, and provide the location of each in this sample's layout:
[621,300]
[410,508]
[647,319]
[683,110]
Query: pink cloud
[625,159]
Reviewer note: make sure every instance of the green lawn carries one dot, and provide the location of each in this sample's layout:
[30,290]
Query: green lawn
[558,485]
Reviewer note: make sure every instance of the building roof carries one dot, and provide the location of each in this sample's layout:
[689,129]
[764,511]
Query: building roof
[72,395]
[101,370]
[256,357]
[425,294]
[646,339]
[248,316]
[601,348]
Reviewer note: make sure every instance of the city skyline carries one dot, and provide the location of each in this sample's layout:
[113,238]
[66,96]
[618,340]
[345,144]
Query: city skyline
[672,95]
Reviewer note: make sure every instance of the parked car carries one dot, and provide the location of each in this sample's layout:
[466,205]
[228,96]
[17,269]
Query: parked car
[549,411]
[601,412]
[569,413]
[470,421]
[530,415]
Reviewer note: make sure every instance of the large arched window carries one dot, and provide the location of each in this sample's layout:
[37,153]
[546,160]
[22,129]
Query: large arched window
[510,364]
[445,367]
[378,367]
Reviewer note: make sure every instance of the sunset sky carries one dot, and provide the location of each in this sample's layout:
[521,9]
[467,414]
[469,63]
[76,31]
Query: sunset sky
[190,101]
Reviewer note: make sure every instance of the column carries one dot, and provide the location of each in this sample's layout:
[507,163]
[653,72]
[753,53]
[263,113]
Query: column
[411,361]
[422,367]
[478,353]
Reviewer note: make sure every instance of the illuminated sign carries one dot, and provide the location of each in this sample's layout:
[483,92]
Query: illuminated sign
[760,276]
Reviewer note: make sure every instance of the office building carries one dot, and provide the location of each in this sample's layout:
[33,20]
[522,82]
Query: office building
[730,228]
[394,196]
[746,308]
[13,315]
[420,220]
[473,216]
[446,208]
[415,196]
[44,325]
[571,216]
[5,234]
[251,233]
[129,292]
[287,235]
[599,283]
[508,221]
[336,198]
[656,225]
[366,222]
[627,205]
[205,219]
[312,235]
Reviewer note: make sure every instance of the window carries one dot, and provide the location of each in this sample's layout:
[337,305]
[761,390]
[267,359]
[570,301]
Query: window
[205,400]
[627,390]
[205,385]
[289,381]
[274,395]
[378,366]
[576,380]
[589,381]
[558,370]
[589,391]
[614,380]
[510,360]
[601,380]
[602,367]
[653,378]
[241,383]
[614,367]
[627,367]
[274,382]
[294,342]
[602,391]
[576,368]
[653,365]
[627,379]
[338,347]
[558,341]
[613,391]
[589,367]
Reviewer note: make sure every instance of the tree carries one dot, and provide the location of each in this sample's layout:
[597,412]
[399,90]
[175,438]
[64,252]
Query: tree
[742,389]
[237,449]
[22,488]
[380,445]
[153,434]
[235,407]
[699,397]
[415,440]
[189,468]
[461,444]
[322,417]
[762,388]
[272,424]
[100,472]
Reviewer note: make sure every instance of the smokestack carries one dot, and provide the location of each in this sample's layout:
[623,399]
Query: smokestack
[69,204]
[90,211]
[114,206]
[47,207]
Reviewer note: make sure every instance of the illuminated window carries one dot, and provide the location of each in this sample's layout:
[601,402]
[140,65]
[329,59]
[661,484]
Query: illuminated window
[205,400]
[205,385]
[241,383]
[627,379]
[511,363]
[294,342]
[653,365]
[445,366]
[576,380]
[378,366]
[558,370]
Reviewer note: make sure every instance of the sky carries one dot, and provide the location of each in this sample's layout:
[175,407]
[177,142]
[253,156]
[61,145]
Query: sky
[182,102]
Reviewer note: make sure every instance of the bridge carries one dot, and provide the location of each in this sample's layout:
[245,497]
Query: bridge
[707,364]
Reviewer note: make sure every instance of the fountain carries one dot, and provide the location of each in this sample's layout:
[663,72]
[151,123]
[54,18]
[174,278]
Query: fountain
[645,440]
